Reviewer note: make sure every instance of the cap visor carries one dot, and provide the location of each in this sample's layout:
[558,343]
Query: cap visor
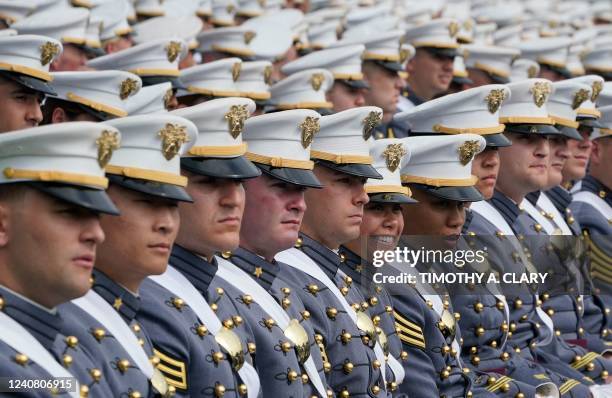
[442,51]
[499,79]
[496,140]
[462,80]
[237,168]
[92,199]
[544,129]
[304,178]
[99,115]
[569,132]
[391,197]
[30,82]
[355,83]
[392,66]
[355,169]
[152,80]
[459,194]
[158,189]
[593,123]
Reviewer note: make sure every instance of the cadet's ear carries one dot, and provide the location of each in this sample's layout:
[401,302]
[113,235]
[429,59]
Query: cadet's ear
[59,116]
[4,224]
[596,153]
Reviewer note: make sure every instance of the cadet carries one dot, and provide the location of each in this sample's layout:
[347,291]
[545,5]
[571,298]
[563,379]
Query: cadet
[489,64]
[24,79]
[305,89]
[146,184]
[339,311]
[51,195]
[201,347]
[551,54]
[215,79]
[431,69]
[254,82]
[89,96]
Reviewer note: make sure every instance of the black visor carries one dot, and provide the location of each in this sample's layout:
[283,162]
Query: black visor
[301,177]
[238,168]
[355,169]
[92,199]
[158,189]
[459,194]
[30,82]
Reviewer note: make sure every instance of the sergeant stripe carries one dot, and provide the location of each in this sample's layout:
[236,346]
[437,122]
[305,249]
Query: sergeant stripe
[408,330]
[419,342]
[401,318]
[502,380]
[173,370]
[567,386]
[584,360]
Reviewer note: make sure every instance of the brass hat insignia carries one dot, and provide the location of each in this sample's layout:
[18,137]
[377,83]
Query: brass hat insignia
[393,155]
[168,98]
[468,25]
[107,143]
[173,50]
[495,99]
[453,28]
[236,69]
[540,91]
[581,96]
[128,87]
[248,36]
[310,126]
[370,122]
[532,71]
[268,74]
[316,80]
[467,150]
[403,55]
[173,136]
[48,51]
[230,9]
[597,87]
[235,118]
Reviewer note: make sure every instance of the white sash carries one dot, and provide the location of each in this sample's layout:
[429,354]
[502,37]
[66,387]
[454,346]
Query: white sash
[299,260]
[16,336]
[546,224]
[243,282]
[98,308]
[491,214]
[594,200]
[547,205]
[180,286]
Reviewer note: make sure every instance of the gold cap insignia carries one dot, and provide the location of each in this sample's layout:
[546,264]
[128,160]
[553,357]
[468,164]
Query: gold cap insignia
[48,51]
[316,80]
[540,91]
[107,143]
[372,120]
[268,74]
[468,25]
[230,8]
[236,117]
[403,54]
[467,150]
[173,136]
[262,3]
[532,71]
[393,155]
[127,88]
[236,69]
[597,87]
[581,96]
[495,99]
[168,98]
[453,28]
[173,49]
[248,36]
[310,127]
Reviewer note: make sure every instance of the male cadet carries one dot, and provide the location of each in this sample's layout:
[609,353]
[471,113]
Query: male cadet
[51,195]
[67,25]
[200,355]
[305,89]
[381,64]
[254,82]
[524,170]
[431,69]
[115,33]
[154,62]
[89,96]
[215,79]
[551,54]
[272,217]
[488,64]
[24,79]
[146,184]
[356,361]
[380,230]
[348,90]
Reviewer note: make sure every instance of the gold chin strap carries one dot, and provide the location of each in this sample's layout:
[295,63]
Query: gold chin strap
[565,122]
[341,159]
[280,162]
[150,175]
[212,151]
[56,176]
[438,128]
[527,119]
[388,189]
[440,182]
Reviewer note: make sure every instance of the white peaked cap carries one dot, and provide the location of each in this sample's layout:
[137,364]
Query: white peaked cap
[528,104]
[150,99]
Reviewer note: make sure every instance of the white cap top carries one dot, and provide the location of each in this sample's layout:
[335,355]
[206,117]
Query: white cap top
[72,153]
[508,36]
[156,8]
[232,40]
[204,8]
[155,58]
[150,99]
[29,55]
[471,111]
[549,51]
[272,40]
[254,80]
[282,139]
[304,89]
[103,91]
[69,26]
[223,12]
[323,35]
[442,160]
[491,59]
[587,108]
[216,78]
[605,96]
[483,33]
[343,62]
[378,46]
[185,28]
[606,121]
[459,67]
[343,136]
[114,17]
[12,11]
[528,102]
[565,101]
[599,59]
[220,123]
[439,33]
[152,146]
[524,69]
[389,154]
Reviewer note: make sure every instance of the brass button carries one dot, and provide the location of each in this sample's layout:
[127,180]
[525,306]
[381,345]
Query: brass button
[285,303]
[123,365]
[67,360]
[313,289]
[154,360]
[305,378]
[292,375]
[84,391]
[136,328]
[247,299]
[21,359]
[331,312]
[505,356]
[178,303]
[99,333]
[219,390]
[220,291]
[327,367]
[344,290]
[345,337]
[491,381]
[478,307]
[252,348]
[96,375]
[237,320]
[218,356]
[375,389]
[269,323]
[388,308]
[286,291]
[201,330]
[373,301]
[475,360]
[376,364]
[305,315]
[347,367]
[71,341]
[242,389]
[480,331]
[518,304]
[228,323]
[444,374]
[590,367]
[403,355]
[286,346]
[500,305]
[135,394]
